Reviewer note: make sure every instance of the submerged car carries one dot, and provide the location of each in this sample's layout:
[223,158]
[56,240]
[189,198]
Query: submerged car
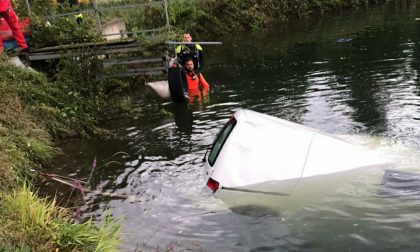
[255,149]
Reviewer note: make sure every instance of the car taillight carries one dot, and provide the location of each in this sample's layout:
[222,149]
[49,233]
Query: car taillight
[213,185]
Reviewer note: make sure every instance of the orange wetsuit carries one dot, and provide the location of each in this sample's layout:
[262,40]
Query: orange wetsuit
[197,86]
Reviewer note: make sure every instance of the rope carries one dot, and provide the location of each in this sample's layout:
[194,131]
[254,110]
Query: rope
[304,166]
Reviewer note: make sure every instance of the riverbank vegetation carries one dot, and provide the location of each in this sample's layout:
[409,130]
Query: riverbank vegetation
[208,18]
[33,111]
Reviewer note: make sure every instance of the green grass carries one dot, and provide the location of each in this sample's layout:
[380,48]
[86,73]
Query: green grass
[29,221]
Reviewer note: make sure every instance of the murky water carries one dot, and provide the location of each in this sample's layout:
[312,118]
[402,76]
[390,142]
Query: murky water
[365,86]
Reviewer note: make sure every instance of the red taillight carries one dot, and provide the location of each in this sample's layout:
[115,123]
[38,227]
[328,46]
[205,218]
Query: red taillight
[213,184]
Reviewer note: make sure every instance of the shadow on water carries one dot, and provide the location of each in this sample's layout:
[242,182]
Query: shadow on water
[183,117]
[402,185]
[254,211]
[367,85]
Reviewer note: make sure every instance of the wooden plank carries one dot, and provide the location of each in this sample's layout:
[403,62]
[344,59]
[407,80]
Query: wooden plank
[144,70]
[154,73]
[119,50]
[138,32]
[82,45]
[48,56]
[141,71]
[43,56]
[109,63]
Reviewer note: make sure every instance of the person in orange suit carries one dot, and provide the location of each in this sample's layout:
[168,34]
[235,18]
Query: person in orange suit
[196,84]
[9,15]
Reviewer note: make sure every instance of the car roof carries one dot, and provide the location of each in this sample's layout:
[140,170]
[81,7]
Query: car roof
[265,148]
[246,115]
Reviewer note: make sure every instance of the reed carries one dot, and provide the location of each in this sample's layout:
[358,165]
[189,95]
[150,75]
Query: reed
[30,221]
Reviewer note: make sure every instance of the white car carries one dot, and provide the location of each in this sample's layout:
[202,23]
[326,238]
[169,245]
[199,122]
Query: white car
[256,149]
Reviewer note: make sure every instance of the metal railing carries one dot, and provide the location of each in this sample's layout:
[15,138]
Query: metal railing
[193,43]
[97,10]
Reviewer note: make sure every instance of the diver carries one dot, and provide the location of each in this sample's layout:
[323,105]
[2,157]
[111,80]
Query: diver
[197,86]
[192,51]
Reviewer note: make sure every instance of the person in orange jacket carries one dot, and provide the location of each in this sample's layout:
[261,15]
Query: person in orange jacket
[9,15]
[196,84]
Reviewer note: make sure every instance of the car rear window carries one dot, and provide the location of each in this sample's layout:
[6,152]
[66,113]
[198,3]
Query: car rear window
[220,140]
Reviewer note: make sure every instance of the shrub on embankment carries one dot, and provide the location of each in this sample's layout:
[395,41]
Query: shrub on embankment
[208,18]
[33,110]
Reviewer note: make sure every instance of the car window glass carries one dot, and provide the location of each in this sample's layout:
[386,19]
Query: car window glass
[220,140]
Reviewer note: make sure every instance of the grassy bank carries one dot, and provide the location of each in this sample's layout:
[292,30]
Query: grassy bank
[34,110]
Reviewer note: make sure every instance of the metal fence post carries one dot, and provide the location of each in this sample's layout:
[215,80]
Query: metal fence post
[98,17]
[28,7]
[165,5]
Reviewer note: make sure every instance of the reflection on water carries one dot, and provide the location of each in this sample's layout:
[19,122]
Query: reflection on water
[183,117]
[367,86]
